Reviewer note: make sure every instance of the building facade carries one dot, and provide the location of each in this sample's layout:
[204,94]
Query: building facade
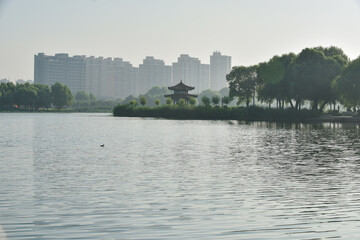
[192,72]
[70,71]
[153,72]
[220,66]
[116,78]
[105,78]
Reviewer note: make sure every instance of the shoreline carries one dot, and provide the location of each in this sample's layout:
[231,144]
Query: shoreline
[251,114]
[345,117]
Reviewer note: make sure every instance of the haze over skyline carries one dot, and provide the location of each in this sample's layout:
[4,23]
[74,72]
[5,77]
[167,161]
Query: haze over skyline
[249,31]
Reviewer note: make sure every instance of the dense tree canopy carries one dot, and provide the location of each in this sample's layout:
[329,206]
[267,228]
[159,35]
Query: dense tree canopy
[275,79]
[294,79]
[61,95]
[82,96]
[347,85]
[242,83]
[24,96]
[313,73]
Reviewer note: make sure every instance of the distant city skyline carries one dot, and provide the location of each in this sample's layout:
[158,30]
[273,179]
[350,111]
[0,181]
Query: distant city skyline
[115,78]
[249,31]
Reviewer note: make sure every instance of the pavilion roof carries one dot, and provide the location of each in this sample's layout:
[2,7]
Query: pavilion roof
[181,86]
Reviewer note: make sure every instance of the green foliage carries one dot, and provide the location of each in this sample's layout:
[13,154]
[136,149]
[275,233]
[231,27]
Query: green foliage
[92,97]
[128,99]
[313,73]
[347,85]
[225,100]
[205,101]
[192,101]
[133,103]
[231,113]
[143,100]
[61,95]
[275,79]
[215,100]
[181,102]
[157,102]
[25,95]
[208,93]
[242,82]
[43,96]
[39,97]
[157,91]
[151,95]
[169,101]
[82,96]
[224,91]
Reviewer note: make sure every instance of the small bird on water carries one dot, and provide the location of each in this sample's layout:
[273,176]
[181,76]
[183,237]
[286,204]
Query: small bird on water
[102,145]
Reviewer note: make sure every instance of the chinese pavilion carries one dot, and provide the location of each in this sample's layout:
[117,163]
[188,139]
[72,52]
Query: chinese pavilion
[180,92]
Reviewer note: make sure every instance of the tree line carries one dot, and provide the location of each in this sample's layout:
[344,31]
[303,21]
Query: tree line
[39,96]
[34,96]
[320,76]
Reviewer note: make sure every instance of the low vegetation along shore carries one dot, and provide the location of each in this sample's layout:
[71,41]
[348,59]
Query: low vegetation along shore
[217,113]
[252,113]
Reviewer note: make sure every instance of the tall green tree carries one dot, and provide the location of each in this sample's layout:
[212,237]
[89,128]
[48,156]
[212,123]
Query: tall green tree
[7,94]
[276,79]
[43,96]
[347,85]
[242,83]
[61,95]
[25,95]
[313,73]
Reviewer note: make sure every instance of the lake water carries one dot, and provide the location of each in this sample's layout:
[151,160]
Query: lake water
[168,179]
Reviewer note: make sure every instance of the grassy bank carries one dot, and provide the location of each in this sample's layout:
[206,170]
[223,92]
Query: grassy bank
[216,113]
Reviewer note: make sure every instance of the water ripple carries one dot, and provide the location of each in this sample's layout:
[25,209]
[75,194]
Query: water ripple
[167,179]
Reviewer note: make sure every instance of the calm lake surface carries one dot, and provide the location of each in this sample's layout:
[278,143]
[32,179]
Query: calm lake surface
[168,179]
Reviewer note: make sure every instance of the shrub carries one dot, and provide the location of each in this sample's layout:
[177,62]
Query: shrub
[192,101]
[169,101]
[206,101]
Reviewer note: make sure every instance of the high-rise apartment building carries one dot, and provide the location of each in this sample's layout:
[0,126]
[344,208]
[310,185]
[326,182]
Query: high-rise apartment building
[220,66]
[105,78]
[191,72]
[70,71]
[115,78]
[153,72]
[125,77]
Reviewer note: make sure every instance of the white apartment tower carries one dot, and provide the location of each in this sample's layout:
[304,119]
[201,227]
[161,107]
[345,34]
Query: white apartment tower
[220,66]
[70,71]
[111,78]
[191,72]
[105,78]
[153,72]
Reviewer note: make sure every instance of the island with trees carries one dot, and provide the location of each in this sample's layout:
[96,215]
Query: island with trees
[291,87]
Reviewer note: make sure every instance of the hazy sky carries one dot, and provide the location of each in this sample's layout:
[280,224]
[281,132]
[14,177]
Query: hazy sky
[250,31]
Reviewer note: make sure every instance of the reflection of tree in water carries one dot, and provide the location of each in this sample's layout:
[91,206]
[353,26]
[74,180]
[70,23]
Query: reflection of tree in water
[306,170]
[311,153]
